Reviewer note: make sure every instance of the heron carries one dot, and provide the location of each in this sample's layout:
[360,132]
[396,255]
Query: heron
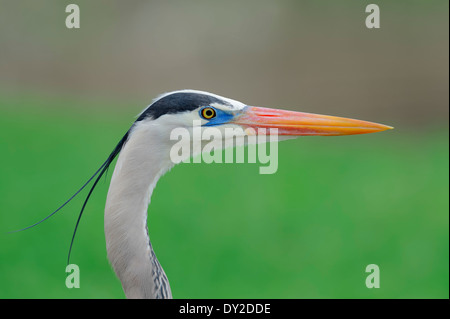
[144,156]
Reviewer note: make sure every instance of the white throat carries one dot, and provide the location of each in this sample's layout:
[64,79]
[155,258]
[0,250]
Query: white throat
[141,163]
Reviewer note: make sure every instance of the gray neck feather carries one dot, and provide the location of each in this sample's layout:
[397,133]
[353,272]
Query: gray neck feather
[138,168]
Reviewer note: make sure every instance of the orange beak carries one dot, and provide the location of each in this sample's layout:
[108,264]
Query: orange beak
[299,124]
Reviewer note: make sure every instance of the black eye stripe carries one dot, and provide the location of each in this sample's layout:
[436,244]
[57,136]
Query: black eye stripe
[177,103]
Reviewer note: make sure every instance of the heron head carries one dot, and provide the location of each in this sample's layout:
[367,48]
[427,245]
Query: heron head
[188,109]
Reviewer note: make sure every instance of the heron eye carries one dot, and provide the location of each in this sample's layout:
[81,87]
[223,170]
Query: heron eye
[208,113]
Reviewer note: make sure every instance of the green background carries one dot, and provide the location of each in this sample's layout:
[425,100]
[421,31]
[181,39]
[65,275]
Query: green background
[335,205]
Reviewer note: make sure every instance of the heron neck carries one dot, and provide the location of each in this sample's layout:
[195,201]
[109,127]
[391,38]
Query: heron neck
[139,166]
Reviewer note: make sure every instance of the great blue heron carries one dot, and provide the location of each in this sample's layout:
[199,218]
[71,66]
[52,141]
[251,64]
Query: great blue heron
[145,157]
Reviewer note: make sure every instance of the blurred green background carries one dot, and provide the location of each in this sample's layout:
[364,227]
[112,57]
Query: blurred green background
[335,205]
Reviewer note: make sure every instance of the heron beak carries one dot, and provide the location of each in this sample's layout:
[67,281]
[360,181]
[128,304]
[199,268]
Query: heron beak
[299,124]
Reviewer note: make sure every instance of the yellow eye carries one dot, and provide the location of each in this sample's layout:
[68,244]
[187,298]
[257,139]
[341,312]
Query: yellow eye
[208,113]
